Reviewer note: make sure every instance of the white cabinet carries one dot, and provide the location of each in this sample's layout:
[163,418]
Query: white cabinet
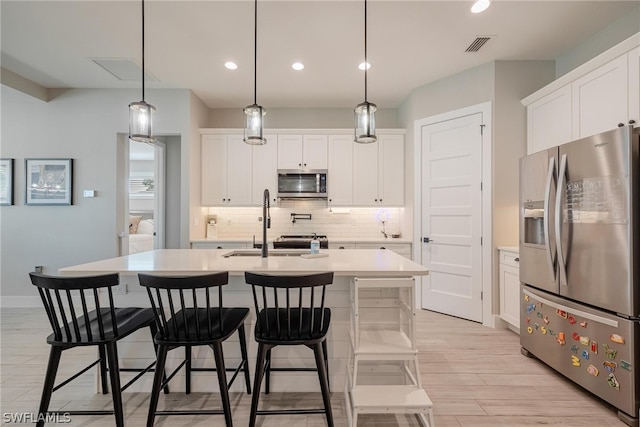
[549,120]
[601,98]
[378,172]
[265,170]
[302,151]
[510,287]
[218,245]
[226,171]
[403,249]
[340,170]
[593,98]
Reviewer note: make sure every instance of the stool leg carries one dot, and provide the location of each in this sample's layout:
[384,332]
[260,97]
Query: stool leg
[103,369]
[114,374]
[245,358]
[161,359]
[324,385]
[267,380]
[326,361]
[153,328]
[260,362]
[187,356]
[222,382]
[49,380]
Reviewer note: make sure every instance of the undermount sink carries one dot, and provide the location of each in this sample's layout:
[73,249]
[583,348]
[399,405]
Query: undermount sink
[257,253]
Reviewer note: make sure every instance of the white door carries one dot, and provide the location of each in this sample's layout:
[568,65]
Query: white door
[452,216]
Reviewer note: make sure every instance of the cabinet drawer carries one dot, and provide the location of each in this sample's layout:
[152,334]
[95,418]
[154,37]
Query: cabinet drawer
[510,258]
[342,245]
[403,249]
[218,245]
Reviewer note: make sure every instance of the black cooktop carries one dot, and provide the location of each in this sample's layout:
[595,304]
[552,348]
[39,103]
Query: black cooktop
[299,241]
[302,237]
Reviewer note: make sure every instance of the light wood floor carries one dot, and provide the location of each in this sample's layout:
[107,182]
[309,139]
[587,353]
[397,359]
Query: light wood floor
[475,376]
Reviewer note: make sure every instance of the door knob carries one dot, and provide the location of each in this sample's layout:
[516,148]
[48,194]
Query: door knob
[426,240]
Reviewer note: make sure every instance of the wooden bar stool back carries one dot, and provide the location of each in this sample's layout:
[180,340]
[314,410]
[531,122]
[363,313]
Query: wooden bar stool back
[79,317]
[290,310]
[189,312]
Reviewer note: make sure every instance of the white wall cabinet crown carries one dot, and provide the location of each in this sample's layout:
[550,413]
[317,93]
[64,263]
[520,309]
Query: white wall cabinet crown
[378,172]
[593,98]
[302,151]
[226,171]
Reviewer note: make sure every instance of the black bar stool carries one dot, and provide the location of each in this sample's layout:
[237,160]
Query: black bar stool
[289,311]
[189,312]
[67,303]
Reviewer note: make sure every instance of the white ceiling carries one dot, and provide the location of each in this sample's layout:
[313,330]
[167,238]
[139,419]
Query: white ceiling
[410,43]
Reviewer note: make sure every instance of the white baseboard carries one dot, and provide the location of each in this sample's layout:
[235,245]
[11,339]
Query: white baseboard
[20,302]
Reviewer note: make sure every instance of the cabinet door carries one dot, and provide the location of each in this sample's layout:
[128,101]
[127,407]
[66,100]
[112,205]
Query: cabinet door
[634,86]
[510,294]
[601,99]
[340,172]
[549,121]
[239,167]
[214,170]
[289,151]
[314,152]
[265,170]
[365,174]
[391,175]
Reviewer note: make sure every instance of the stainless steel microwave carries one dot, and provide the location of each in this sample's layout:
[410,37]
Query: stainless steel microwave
[302,184]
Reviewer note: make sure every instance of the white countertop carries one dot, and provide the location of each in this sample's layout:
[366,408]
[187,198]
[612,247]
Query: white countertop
[343,262]
[331,240]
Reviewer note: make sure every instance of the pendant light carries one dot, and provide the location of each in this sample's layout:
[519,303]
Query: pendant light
[365,119]
[254,114]
[141,113]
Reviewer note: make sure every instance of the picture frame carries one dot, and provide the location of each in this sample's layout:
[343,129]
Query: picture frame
[49,181]
[6,182]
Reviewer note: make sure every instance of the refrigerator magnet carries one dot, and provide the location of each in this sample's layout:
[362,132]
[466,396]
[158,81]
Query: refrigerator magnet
[592,370]
[613,382]
[625,365]
[610,366]
[616,338]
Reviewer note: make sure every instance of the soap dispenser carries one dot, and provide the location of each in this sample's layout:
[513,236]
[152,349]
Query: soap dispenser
[315,245]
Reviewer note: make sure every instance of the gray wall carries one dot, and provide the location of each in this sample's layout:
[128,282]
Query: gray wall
[302,118]
[83,125]
[619,30]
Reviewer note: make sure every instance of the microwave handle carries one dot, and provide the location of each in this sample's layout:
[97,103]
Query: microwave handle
[559,192]
[547,229]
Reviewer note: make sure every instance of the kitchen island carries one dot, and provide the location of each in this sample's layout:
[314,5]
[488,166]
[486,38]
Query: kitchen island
[347,264]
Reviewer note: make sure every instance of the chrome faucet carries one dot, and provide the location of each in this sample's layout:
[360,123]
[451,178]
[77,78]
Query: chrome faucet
[266,221]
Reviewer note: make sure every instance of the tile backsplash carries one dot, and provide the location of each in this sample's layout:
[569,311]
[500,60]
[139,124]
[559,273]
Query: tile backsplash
[349,222]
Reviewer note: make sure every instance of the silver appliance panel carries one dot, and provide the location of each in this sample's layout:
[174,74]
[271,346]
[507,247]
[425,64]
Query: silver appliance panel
[595,349]
[595,212]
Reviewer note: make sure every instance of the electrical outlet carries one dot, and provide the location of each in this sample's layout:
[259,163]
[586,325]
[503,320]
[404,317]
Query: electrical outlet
[259,219]
[37,269]
[121,289]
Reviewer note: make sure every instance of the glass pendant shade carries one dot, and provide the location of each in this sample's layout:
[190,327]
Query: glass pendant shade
[365,123]
[141,122]
[253,124]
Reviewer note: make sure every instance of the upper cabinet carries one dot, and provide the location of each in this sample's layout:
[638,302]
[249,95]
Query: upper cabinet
[265,170]
[302,151]
[593,98]
[378,172]
[226,171]
[340,170]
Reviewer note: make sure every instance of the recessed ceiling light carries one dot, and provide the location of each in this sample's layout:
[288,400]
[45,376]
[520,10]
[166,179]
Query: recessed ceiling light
[362,65]
[297,66]
[230,65]
[480,6]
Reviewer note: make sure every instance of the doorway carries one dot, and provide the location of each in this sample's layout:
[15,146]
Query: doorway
[453,152]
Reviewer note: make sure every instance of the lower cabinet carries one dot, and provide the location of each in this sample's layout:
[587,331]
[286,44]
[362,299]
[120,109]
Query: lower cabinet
[403,249]
[510,287]
[218,245]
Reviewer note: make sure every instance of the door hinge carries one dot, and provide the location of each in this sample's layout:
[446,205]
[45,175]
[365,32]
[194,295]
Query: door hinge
[482,129]
[481,295]
[481,241]
[480,185]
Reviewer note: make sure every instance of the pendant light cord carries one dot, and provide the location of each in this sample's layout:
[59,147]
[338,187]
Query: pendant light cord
[142,50]
[255,52]
[366,64]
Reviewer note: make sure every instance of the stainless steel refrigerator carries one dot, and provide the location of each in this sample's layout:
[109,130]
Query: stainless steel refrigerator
[580,263]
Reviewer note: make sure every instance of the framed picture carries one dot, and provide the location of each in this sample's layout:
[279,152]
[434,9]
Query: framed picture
[49,181]
[6,182]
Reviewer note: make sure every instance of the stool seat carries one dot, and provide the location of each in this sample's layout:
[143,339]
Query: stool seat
[190,324]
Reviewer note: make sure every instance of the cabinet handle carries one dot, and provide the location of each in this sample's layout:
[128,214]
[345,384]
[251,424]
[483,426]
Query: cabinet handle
[299,164]
[305,164]
[517,259]
[375,200]
[219,247]
[224,200]
[380,200]
[620,125]
[382,247]
[341,247]
[632,122]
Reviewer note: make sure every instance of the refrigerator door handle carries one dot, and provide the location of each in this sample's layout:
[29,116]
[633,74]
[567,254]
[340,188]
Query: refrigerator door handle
[559,192]
[574,311]
[550,181]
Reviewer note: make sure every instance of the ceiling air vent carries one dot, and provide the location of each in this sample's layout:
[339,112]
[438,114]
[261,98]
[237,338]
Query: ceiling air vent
[477,44]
